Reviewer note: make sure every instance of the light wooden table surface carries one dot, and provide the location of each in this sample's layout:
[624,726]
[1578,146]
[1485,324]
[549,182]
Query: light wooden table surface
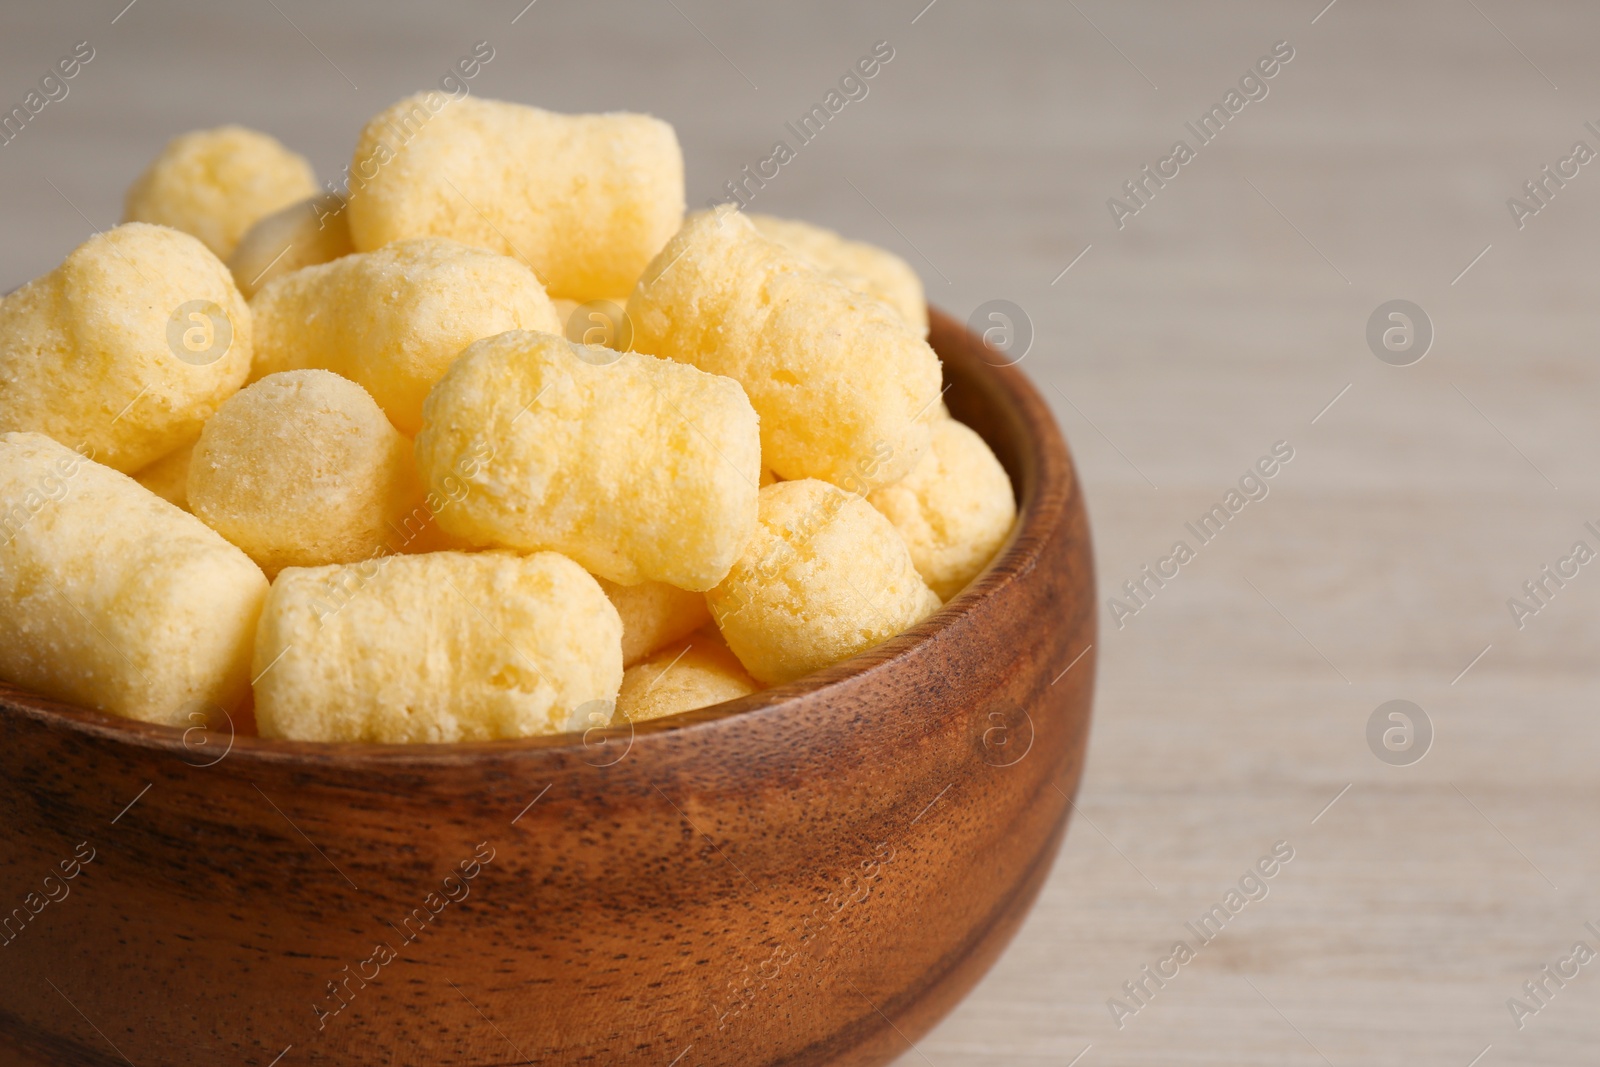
[1227,315]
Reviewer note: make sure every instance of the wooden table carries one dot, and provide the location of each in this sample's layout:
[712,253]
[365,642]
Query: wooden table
[1228,313]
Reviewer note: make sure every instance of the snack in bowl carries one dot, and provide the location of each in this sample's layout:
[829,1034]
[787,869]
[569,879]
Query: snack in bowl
[899,768]
[744,477]
[424,704]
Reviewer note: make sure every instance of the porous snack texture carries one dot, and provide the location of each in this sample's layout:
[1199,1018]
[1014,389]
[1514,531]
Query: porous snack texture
[111,598]
[683,675]
[863,267]
[585,200]
[825,577]
[846,389]
[394,320]
[953,510]
[216,184]
[307,233]
[126,348]
[638,468]
[301,469]
[445,646]
[653,614]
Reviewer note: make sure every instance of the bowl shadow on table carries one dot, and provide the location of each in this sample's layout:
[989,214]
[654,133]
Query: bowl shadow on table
[812,874]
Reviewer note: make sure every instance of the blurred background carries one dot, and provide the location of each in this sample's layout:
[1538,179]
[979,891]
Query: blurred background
[1441,859]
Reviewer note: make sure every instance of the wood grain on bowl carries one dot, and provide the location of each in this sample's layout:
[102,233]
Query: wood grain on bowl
[810,875]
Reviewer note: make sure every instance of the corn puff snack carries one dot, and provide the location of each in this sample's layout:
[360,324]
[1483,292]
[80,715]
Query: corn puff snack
[654,614]
[444,646]
[111,598]
[394,320]
[825,577]
[301,469]
[682,676]
[216,184]
[844,387]
[638,468]
[953,510]
[126,348]
[864,267]
[585,200]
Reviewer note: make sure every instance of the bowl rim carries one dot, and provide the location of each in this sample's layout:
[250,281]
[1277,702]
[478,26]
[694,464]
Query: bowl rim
[1048,482]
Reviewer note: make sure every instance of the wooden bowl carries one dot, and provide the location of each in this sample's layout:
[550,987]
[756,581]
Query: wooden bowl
[813,874]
